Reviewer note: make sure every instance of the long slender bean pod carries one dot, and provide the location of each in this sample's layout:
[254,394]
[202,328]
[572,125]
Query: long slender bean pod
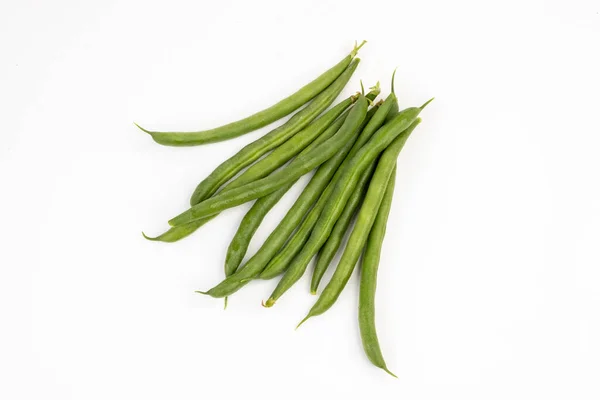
[339,196]
[261,118]
[284,229]
[273,159]
[368,280]
[253,151]
[336,237]
[298,167]
[289,149]
[281,262]
[253,218]
[179,232]
[364,222]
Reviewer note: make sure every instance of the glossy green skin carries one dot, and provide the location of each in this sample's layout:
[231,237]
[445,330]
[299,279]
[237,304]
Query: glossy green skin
[364,222]
[331,246]
[368,280]
[261,118]
[275,158]
[254,217]
[281,262]
[289,149]
[253,151]
[393,112]
[344,187]
[250,223]
[284,229]
[269,163]
[294,170]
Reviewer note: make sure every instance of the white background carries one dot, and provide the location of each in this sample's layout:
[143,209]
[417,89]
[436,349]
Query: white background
[489,283]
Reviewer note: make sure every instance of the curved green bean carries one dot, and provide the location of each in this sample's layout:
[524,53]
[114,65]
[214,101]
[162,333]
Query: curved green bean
[334,240]
[273,160]
[253,151]
[261,118]
[364,222]
[284,229]
[298,167]
[281,262]
[254,217]
[339,196]
[368,280]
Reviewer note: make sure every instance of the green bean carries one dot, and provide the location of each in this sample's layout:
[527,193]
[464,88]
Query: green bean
[368,280]
[275,158]
[330,248]
[261,118]
[260,208]
[281,262]
[364,222]
[336,201]
[250,223]
[253,151]
[284,229]
[334,240]
[298,167]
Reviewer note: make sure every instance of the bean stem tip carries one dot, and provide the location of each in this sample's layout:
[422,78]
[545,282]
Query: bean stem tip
[357,47]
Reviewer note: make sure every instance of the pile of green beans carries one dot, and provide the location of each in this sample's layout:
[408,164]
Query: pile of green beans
[352,146]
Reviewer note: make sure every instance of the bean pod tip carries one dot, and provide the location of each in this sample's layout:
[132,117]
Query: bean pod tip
[303,321]
[426,103]
[390,372]
[153,239]
[143,129]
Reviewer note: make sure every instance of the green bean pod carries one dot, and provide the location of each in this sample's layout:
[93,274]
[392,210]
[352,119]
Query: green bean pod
[261,118]
[281,262]
[253,151]
[336,237]
[364,222]
[179,232]
[293,217]
[284,229]
[339,196]
[298,167]
[254,217]
[368,280]
[250,223]
[270,162]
